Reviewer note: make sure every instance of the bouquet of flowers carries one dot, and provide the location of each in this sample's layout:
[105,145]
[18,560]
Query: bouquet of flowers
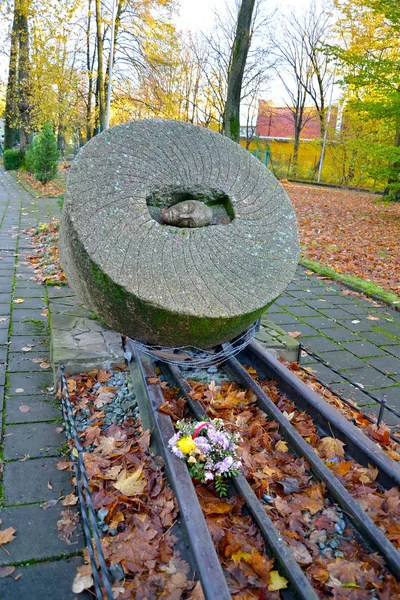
[209,450]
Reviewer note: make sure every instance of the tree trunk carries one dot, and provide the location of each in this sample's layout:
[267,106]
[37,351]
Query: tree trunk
[120,5]
[23,77]
[100,70]
[240,49]
[10,110]
[89,66]
[393,188]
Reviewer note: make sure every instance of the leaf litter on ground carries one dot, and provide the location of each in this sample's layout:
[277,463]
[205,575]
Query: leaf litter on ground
[136,509]
[318,532]
[351,232]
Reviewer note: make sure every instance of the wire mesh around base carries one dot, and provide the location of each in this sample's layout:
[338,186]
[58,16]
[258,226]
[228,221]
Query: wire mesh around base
[190,356]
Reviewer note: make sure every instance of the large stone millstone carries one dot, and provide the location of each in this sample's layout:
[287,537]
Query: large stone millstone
[163,284]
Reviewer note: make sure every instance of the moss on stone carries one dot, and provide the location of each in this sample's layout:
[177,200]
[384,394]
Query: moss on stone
[146,321]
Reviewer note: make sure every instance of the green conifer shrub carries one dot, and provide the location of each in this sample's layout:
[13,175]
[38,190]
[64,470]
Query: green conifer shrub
[46,155]
[12,160]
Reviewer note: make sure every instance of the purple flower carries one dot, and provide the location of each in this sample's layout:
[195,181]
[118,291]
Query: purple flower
[202,445]
[172,444]
[216,437]
[208,476]
[224,466]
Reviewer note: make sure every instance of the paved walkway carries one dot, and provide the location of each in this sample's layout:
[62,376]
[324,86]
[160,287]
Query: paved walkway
[357,337]
[31,443]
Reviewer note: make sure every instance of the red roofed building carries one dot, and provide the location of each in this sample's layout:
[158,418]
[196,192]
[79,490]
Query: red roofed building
[276,122]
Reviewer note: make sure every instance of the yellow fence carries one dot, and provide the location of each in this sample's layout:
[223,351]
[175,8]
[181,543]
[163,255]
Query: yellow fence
[338,166]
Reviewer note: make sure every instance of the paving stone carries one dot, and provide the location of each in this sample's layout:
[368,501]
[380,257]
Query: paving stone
[363,348]
[389,365]
[393,350]
[27,283]
[319,304]
[83,344]
[318,322]
[5,297]
[37,537]
[286,301]
[3,353]
[28,314]
[5,309]
[29,292]
[5,286]
[36,303]
[306,330]
[27,482]
[342,360]
[320,344]
[359,325]
[40,343]
[388,417]
[302,294]
[44,581]
[60,292]
[27,361]
[335,313]
[33,383]
[40,409]
[392,395]
[29,328]
[378,338]
[325,374]
[284,319]
[370,378]
[33,439]
[391,328]
[352,393]
[303,311]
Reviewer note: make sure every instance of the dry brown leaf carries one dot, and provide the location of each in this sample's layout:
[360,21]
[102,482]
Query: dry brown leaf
[82,583]
[44,365]
[64,465]
[371,318]
[19,301]
[277,582]
[70,500]
[20,390]
[294,334]
[49,485]
[6,571]
[330,447]
[24,408]
[281,446]
[153,380]
[131,483]
[49,504]
[7,535]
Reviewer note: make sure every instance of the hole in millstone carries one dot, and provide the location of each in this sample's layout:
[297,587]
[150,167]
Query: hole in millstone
[195,206]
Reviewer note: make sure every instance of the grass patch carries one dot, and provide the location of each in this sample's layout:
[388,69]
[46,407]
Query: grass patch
[355,283]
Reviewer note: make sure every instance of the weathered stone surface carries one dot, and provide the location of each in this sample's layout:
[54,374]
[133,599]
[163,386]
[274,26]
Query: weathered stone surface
[164,284]
[82,344]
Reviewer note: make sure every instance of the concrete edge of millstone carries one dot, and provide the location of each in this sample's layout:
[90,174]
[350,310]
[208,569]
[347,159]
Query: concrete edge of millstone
[82,344]
[277,341]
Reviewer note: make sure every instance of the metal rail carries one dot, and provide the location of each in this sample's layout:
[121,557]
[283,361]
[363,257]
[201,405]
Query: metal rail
[327,418]
[361,520]
[150,398]
[329,422]
[89,521]
[271,535]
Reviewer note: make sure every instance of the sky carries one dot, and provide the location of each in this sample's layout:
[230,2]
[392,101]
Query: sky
[197,15]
